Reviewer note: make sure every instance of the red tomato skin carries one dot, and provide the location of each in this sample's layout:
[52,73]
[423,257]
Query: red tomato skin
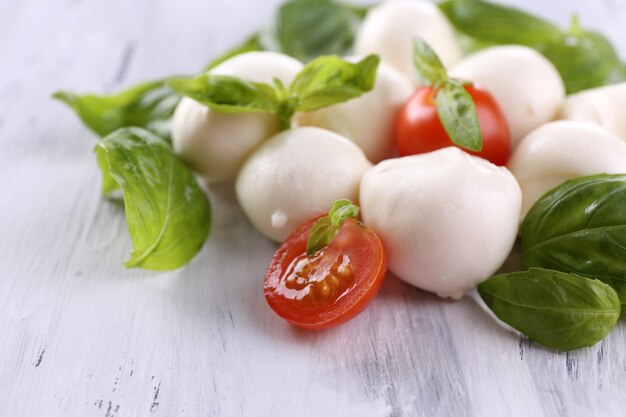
[419,130]
[350,305]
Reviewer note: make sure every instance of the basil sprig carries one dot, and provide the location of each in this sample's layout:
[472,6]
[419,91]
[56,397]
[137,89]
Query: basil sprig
[555,309]
[323,82]
[585,59]
[148,105]
[327,227]
[580,227]
[455,105]
[168,215]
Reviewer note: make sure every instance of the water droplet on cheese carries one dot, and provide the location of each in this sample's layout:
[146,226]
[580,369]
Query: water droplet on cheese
[279,219]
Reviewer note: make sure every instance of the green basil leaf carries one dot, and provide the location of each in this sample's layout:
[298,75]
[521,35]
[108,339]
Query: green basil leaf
[249,45]
[228,94]
[555,309]
[109,185]
[330,80]
[327,227]
[457,113]
[585,60]
[149,105]
[428,65]
[168,215]
[306,29]
[580,227]
[495,23]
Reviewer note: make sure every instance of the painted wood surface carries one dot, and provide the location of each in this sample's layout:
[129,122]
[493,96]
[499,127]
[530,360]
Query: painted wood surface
[81,336]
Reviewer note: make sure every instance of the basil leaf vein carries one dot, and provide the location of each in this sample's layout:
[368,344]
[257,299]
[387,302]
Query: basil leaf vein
[168,215]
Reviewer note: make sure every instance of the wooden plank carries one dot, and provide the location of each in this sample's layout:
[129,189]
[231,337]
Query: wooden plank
[84,337]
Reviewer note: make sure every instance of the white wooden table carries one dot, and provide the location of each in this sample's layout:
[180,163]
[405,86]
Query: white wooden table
[81,336]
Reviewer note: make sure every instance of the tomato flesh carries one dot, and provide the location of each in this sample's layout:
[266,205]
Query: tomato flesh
[331,286]
[419,130]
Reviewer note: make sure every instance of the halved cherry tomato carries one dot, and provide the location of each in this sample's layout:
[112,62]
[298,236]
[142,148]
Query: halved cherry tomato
[331,286]
[419,130]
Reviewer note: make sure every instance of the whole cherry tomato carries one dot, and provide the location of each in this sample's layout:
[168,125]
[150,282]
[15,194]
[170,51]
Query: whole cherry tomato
[419,130]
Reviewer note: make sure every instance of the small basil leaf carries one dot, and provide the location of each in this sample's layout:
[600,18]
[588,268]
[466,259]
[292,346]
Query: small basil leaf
[149,105]
[457,113]
[306,29]
[580,227]
[495,23]
[330,80]
[168,215]
[327,227]
[249,45]
[585,60]
[228,94]
[428,65]
[555,309]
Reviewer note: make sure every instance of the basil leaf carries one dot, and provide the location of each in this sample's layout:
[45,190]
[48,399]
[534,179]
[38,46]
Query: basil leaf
[168,215]
[495,23]
[109,185]
[327,227]
[558,310]
[580,227]
[228,94]
[585,60]
[330,80]
[428,65]
[249,45]
[457,113]
[149,105]
[306,29]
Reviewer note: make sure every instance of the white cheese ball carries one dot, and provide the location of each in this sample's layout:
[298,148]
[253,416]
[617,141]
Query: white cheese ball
[389,30]
[564,150]
[448,220]
[368,120]
[295,176]
[605,106]
[523,82]
[215,144]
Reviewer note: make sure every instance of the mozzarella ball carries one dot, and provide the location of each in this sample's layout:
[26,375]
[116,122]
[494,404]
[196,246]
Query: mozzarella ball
[215,144]
[368,120]
[389,30]
[604,106]
[564,150]
[448,220]
[295,176]
[526,85]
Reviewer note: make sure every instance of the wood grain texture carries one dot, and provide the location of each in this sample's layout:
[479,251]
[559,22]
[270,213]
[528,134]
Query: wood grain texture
[81,336]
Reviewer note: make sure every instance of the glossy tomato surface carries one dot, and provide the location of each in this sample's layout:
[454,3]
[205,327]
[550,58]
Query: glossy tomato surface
[331,286]
[419,130]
